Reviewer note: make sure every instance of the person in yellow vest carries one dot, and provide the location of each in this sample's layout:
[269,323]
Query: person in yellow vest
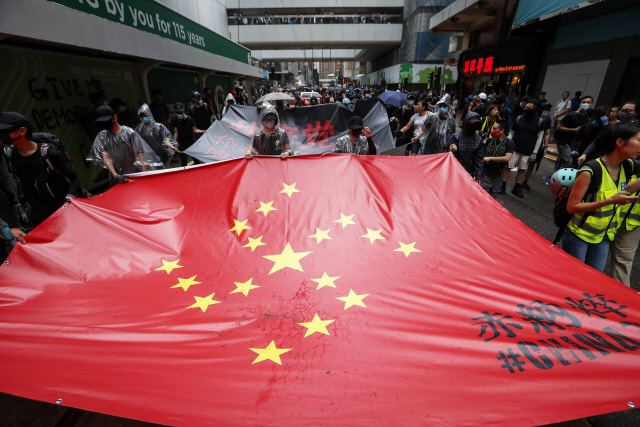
[599,208]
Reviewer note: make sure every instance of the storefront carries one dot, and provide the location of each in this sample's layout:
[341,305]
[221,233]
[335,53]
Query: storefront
[508,67]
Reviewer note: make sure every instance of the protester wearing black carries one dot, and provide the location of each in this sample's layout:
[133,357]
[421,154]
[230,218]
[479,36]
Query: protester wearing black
[567,130]
[404,118]
[467,146]
[47,176]
[497,153]
[184,131]
[575,102]
[201,113]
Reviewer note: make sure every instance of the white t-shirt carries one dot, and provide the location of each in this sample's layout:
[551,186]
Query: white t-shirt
[418,122]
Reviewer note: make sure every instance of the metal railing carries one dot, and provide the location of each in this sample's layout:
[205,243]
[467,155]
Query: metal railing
[314,19]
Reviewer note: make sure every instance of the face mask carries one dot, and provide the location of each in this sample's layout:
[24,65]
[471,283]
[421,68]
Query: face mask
[122,108]
[409,102]
[443,111]
[495,133]
[200,102]
[146,120]
[107,125]
[529,112]
[627,117]
[6,139]
[181,116]
[356,132]
[269,123]
[585,107]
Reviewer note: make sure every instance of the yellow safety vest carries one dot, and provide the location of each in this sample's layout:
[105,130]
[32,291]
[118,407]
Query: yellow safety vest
[604,220]
[632,218]
[484,125]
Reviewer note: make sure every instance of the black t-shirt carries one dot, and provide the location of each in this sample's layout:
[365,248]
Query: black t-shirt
[45,188]
[497,148]
[571,121]
[186,137]
[526,133]
[202,116]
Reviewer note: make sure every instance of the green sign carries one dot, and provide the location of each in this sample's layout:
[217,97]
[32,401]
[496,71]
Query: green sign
[154,18]
[57,93]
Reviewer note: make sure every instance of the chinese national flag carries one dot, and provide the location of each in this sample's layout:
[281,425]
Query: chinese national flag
[334,290]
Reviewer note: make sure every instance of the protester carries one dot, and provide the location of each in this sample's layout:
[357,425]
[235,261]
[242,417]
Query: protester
[271,139]
[497,154]
[518,108]
[589,132]
[567,130]
[542,143]
[563,107]
[358,141]
[406,113]
[202,114]
[467,147]
[159,110]
[417,120]
[46,174]
[614,113]
[8,216]
[184,131]
[493,115]
[510,100]
[156,135]
[206,97]
[230,101]
[575,101]
[543,96]
[433,135]
[527,134]
[599,207]
[120,149]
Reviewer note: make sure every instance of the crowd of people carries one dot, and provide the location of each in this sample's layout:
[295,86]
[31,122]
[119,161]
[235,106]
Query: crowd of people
[323,18]
[497,133]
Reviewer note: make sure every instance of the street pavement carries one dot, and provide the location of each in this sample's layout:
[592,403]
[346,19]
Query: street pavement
[534,210]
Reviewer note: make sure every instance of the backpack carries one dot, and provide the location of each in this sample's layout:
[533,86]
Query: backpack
[561,217]
[540,121]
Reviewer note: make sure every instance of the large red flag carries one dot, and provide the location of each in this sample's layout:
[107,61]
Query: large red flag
[334,290]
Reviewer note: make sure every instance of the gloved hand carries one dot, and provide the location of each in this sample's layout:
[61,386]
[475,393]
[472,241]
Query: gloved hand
[122,179]
[68,197]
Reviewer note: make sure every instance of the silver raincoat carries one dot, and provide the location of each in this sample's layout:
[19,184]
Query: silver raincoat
[155,134]
[270,144]
[126,150]
[226,107]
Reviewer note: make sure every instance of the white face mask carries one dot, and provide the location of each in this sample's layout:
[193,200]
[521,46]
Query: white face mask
[181,116]
[269,124]
[410,102]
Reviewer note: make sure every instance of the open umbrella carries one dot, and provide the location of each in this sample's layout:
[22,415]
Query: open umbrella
[277,96]
[392,97]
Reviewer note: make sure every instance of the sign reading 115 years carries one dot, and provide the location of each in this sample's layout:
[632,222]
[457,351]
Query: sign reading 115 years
[152,17]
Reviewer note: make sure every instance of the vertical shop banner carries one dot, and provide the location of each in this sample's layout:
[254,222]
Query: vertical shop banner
[312,130]
[153,17]
[333,290]
[53,92]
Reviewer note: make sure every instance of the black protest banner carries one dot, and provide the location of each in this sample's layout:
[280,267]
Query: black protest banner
[312,130]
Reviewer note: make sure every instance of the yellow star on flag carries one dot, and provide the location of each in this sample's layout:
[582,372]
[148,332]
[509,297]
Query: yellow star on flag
[345,220]
[203,303]
[265,208]
[316,325]
[185,283]
[289,189]
[353,299]
[270,353]
[373,235]
[407,248]
[244,287]
[321,235]
[325,280]
[288,258]
[239,226]
[169,266]
[254,243]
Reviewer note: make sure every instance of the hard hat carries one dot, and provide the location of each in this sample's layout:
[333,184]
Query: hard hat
[562,181]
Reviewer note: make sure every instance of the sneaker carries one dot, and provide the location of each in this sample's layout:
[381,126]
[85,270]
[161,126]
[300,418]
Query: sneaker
[517,191]
[547,178]
[525,186]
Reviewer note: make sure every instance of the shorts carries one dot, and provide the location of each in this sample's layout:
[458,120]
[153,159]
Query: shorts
[519,160]
[491,184]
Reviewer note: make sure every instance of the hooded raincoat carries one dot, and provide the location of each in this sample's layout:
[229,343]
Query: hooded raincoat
[123,150]
[230,97]
[155,134]
[270,144]
[437,130]
[470,148]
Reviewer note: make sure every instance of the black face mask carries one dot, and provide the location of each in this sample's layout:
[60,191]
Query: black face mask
[356,132]
[6,139]
[529,113]
[627,117]
[108,125]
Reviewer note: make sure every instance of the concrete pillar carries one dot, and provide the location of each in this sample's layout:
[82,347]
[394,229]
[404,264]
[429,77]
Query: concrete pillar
[142,70]
[250,81]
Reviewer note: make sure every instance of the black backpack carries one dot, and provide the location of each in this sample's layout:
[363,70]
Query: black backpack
[561,217]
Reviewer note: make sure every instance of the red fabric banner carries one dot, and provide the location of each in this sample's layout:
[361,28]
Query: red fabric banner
[333,290]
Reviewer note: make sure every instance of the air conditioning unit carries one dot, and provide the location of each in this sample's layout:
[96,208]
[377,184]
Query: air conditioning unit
[455,43]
